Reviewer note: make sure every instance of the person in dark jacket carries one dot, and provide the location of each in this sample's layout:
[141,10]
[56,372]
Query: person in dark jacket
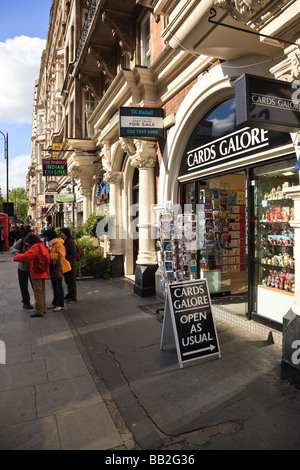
[70,276]
[23,268]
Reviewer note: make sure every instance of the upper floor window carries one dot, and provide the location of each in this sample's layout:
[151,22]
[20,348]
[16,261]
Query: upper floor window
[88,109]
[145,41]
[41,124]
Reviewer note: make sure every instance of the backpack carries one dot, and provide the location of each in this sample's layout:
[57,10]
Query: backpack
[40,263]
[78,254]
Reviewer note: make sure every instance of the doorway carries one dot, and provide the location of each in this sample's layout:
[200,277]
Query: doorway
[222,252]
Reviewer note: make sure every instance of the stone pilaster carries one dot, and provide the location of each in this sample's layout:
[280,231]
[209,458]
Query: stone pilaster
[145,160]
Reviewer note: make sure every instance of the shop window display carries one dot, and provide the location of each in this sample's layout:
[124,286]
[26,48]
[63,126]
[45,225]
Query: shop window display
[275,276]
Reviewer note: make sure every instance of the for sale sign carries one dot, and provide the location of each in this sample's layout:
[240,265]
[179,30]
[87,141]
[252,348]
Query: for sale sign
[188,310]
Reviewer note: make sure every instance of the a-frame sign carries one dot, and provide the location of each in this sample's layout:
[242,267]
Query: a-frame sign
[188,313]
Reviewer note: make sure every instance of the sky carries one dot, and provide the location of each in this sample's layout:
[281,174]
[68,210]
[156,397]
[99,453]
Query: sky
[23,30]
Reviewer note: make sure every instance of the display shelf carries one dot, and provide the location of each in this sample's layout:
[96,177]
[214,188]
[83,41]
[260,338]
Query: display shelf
[276,242]
[278,291]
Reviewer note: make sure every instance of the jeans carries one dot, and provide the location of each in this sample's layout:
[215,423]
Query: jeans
[58,293]
[24,276]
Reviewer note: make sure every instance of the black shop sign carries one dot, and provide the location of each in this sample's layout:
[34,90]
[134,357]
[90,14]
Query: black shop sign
[188,315]
[54,167]
[268,103]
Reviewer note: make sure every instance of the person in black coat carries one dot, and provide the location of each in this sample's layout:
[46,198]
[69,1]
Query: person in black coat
[70,276]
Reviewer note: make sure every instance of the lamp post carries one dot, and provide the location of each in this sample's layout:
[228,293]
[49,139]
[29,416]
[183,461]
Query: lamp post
[6,158]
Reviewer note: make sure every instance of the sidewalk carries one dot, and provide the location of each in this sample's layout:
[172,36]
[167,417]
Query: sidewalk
[50,399]
[95,378]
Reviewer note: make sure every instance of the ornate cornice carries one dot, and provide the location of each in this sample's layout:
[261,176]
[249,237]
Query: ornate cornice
[122,30]
[105,60]
[243,10]
[289,69]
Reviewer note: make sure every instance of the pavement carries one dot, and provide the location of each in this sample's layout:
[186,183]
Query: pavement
[94,378]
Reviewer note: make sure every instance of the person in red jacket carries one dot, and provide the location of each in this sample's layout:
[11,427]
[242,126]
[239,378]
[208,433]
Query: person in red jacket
[38,279]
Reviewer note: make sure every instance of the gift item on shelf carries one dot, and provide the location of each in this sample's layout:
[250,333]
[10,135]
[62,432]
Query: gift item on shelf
[276,262]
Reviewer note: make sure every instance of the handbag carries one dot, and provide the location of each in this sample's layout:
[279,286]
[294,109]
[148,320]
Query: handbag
[56,271]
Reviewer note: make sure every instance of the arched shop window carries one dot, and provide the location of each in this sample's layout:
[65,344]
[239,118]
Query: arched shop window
[217,140]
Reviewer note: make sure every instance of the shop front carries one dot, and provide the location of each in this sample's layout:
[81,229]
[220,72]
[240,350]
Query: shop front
[233,180]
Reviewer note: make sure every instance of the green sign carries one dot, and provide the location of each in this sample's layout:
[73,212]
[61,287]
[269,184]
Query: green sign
[65,198]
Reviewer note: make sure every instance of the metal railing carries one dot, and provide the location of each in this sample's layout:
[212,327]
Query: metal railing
[86,27]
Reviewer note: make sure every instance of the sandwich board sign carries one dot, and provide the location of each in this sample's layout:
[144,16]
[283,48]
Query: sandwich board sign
[188,314]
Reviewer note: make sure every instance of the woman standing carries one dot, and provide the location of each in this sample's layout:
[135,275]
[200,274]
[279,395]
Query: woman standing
[70,276]
[38,279]
[57,255]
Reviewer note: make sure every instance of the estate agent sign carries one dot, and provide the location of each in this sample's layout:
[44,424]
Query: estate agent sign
[188,312]
[264,102]
[141,122]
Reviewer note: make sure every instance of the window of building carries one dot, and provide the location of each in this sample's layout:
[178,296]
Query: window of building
[88,109]
[41,124]
[145,42]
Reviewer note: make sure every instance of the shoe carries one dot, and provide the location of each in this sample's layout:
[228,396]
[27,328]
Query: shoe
[28,307]
[70,301]
[51,306]
[33,315]
[57,309]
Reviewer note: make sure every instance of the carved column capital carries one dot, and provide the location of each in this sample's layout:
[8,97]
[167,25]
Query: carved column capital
[113,176]
[145,156]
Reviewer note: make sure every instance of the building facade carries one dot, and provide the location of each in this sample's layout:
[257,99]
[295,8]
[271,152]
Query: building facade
[184,57]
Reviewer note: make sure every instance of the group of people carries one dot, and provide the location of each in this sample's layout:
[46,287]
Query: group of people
[58,252]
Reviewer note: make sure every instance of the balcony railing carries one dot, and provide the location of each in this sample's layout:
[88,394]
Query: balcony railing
[86,27]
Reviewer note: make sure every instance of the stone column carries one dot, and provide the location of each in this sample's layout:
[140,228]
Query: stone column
[290,365]
[116,251]
[144,160]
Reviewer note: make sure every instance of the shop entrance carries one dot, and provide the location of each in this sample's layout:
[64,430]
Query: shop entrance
[222,249]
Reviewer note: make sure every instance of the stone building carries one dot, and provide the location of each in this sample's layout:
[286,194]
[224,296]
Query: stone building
[186,58]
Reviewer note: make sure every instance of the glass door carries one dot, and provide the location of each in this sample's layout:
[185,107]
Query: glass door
[220,205]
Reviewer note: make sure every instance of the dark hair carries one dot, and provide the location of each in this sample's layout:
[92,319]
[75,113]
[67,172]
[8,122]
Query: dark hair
[66,231]
[31,238]
[25,232]
[50,234]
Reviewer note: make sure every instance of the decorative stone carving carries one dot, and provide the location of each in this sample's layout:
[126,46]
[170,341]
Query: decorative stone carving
[113,176]
[145,156]
[127,145]
[143,161]
[241,10]
[289,69]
